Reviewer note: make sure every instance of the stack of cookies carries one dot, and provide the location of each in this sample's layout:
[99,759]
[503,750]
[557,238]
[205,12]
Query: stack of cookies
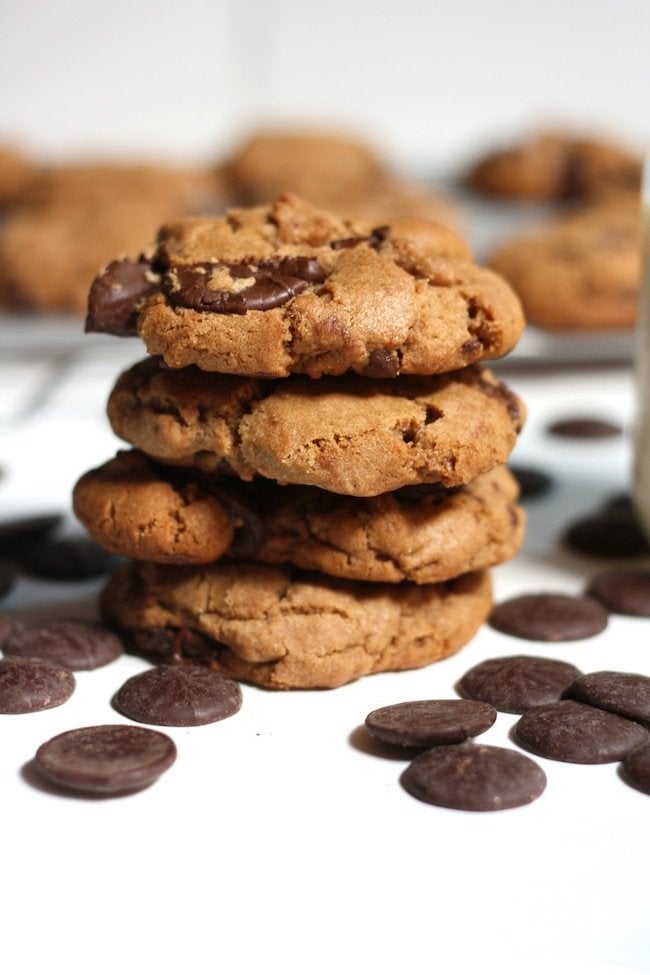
[316,488]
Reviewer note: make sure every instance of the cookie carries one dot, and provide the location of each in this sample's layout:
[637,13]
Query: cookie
[283,628]
[336,434]
[76,219]
[130,509]
[15,174]
[556,166]
[579,272]
[270,291]
[138,509]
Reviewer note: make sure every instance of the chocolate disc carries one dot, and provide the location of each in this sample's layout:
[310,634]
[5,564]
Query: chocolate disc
[76,644]
[636,769]
[622,591]
[178,695]
[426,723]
[28,685]
[106,759]
[569,731]
[479,778]
[549,617]
[516,684]
[611,690]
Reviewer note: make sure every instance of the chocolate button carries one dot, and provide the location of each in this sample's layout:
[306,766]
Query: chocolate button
[516,684]
[636,769]
[622,591]
[611,690]
[569,731]
[106,759]
[479,778]
[67,559]
[28,685]
[532,482]
[585,428]
[612,533]
[549,617]
[426,723]
[77,645]
[178,695]
[20,532]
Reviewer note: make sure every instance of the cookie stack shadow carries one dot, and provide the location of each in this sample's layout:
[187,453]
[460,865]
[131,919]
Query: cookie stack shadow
[316,485]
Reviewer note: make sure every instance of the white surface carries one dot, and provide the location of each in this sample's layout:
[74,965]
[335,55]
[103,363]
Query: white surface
[430,82]
[277,842]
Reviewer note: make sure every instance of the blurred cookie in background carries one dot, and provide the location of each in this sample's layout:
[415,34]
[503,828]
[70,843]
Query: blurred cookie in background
[15,173]
[332,171]
[581,270]
[70,220]
[555,165]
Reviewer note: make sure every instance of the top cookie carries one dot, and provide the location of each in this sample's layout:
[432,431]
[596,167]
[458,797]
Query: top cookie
[270,291]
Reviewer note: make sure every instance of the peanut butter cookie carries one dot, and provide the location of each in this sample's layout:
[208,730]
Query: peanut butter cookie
[344,435]
[136,508]
[283,629]
[287,288]
[579,272]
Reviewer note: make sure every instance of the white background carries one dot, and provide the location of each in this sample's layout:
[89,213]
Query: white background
[428,80]
[277,843]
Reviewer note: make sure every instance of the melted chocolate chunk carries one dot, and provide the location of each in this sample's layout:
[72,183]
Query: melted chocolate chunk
[374,239]
[115,296]
[275,282]
[382,364]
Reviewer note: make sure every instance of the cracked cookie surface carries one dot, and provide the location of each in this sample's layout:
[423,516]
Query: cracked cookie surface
[286,629]
[274,290]
[129,509]
[137,509]
[346,435]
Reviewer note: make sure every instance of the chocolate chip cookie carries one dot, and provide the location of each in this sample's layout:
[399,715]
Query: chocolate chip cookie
[282,628]
[270,291]
[579,272]
[556,166]
[136,508]
[339,434]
